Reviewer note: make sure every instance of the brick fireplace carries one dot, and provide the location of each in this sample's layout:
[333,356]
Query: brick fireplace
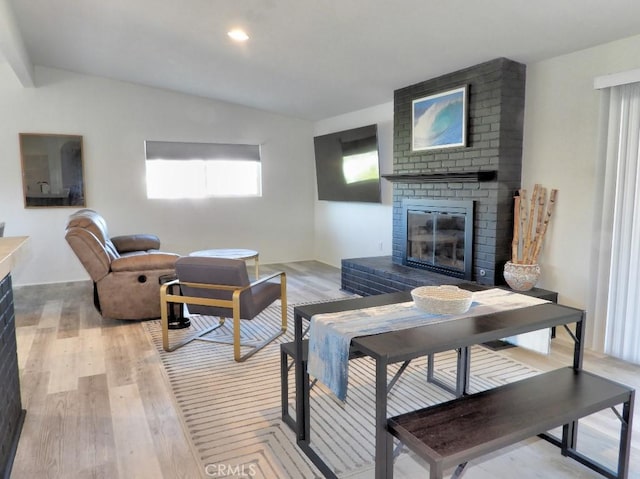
[486,172]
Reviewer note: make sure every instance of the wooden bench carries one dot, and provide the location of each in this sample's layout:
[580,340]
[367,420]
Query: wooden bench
[457,431]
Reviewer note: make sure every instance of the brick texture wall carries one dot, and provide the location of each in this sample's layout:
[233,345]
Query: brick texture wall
[496,92]
[11,414]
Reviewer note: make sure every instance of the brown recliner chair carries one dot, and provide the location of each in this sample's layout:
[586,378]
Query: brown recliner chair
[125,270]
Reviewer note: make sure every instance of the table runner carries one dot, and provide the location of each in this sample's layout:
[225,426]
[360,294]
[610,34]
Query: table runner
[330,334]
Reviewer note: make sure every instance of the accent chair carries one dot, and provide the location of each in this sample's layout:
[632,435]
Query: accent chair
[220,287]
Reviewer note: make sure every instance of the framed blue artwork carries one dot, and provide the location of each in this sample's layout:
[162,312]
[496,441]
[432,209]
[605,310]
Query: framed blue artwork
[440,120]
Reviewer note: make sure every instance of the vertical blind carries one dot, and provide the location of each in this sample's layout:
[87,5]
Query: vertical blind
[616,298]
[622,338]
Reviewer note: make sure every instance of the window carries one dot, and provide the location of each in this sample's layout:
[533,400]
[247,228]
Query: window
[202,170]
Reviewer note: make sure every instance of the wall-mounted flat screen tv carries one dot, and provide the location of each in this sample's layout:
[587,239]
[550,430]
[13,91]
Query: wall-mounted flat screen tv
[347,165]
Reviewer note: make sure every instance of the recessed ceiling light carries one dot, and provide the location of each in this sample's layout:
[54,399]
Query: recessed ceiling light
[238,35]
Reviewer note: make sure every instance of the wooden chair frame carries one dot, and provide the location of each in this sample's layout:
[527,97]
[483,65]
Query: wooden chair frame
[167,298]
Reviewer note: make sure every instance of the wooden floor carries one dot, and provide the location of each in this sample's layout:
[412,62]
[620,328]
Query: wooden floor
[97,402]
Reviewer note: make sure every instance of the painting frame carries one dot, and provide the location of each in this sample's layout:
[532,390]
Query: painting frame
[52,170]
[439,120]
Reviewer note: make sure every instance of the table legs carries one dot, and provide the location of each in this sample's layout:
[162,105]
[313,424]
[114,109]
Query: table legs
[383,441]
[301,406]
[463,366]
[384,446]
[463,371]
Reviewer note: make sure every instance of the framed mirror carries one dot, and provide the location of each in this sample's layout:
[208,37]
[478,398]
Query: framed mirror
[52,170]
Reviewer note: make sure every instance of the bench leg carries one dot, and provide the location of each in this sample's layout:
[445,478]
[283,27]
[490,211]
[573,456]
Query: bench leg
[569,440]
[435,471]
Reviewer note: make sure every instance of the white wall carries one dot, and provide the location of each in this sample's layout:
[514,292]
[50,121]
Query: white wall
[561,131]
[354,230]
[115,118]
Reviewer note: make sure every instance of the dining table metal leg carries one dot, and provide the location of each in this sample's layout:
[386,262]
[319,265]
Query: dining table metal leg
[463,371]
[384,447]
[301,407]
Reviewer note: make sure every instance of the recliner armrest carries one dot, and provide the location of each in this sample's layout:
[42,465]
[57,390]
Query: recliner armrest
[144,262]
[139,242]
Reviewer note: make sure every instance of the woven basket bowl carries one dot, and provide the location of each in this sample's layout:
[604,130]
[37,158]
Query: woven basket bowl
[442,299]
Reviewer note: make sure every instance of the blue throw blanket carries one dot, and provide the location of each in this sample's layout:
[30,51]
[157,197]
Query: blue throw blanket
[330,334]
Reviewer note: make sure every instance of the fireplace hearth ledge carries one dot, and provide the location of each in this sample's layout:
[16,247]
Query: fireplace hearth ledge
[378,275]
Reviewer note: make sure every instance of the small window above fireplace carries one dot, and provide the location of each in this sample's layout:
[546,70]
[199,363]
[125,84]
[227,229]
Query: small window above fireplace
[438,236]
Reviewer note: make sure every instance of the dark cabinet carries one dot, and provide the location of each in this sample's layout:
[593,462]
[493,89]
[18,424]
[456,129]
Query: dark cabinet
[11,412]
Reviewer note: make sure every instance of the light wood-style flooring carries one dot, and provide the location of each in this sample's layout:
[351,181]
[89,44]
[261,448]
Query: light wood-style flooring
[98,405]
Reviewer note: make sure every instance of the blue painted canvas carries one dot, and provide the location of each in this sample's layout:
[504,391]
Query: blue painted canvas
[439,121]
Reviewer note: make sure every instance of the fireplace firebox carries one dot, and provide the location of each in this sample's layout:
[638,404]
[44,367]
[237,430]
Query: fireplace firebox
[438,236]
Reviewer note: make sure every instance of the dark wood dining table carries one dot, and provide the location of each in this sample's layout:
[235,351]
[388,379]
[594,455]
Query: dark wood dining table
[399,346]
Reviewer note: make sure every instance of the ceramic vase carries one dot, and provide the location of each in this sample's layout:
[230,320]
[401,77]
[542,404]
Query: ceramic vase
[521,277]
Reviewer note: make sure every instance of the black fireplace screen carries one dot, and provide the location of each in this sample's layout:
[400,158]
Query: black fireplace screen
[439,234]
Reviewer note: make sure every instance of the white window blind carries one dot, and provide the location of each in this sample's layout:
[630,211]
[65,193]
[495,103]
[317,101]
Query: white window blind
[201,170]
[174,150]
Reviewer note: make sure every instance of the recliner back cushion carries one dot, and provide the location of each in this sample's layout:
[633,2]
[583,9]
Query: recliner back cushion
[92,221]
[89,251]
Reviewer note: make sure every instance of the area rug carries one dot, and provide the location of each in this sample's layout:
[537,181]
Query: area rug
[232,411]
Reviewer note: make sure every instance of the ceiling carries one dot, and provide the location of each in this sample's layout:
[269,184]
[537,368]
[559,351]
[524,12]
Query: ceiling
[310,59]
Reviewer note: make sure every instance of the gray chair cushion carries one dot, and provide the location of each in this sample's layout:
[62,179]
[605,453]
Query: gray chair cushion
[230,272]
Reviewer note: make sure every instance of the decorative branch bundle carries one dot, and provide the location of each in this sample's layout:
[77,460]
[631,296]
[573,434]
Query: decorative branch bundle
[527,242]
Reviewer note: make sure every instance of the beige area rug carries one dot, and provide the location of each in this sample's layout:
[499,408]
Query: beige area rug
[232,414]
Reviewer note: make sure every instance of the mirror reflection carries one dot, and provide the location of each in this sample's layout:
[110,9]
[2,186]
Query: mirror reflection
[52,170]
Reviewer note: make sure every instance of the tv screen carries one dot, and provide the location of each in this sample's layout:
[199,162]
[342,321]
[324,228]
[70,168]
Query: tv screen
[347,165]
